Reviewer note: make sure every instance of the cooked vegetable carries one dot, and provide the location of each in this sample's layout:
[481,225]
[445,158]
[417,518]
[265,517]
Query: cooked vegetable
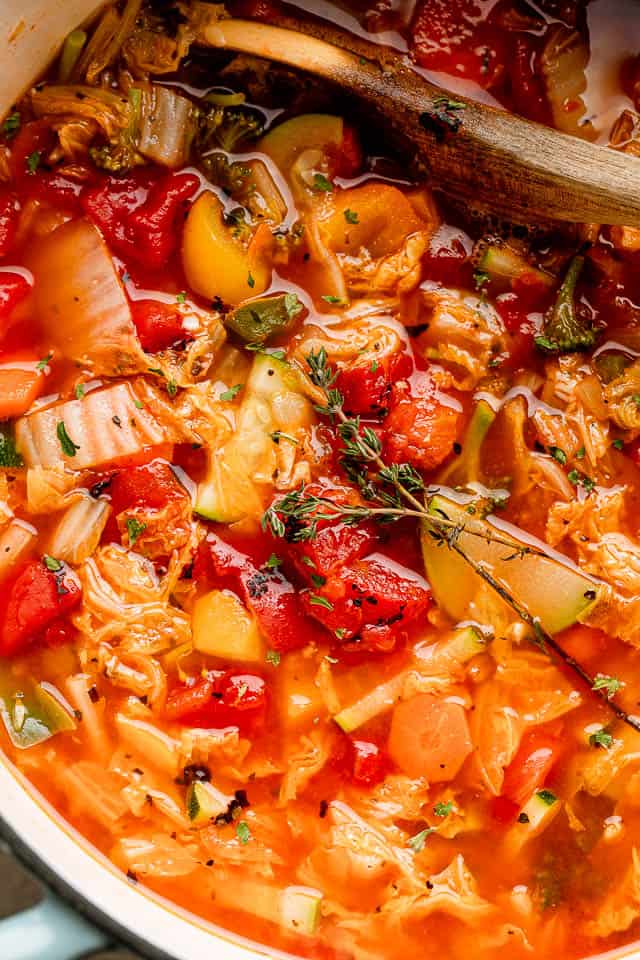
[16,540]
[272,401]
[433,661]
[167,126]
[216,263]
[258,320]
[500,261]
[78,532]
[10,458]
[33,599]
[103,426]
[80,301]
[429,737]
[205,803]
[465,468]
[121,152]
[222,627]
[21,382]
[312,131]
[563,330]
[108,109]
[71,50]
[32,712]
[535,816]
[556,593]
[226,126]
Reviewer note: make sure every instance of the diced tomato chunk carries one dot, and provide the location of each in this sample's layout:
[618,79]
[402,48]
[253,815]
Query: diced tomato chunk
[221,699]
[150,486]
[530,767]
[453,37]
[31,600]
[139,214]
[370,763]
[271,598]
[59,633]
[420,429]
[334,544]
[29,152]
[13,289]
[447,258]
[347,158]
[368,604]
[527,92]
[159,325]
[366,387]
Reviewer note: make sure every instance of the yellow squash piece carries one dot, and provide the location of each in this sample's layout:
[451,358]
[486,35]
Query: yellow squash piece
[217,263]
[222,627]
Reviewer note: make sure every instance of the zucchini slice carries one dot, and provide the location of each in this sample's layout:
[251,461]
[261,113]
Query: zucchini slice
[556,593]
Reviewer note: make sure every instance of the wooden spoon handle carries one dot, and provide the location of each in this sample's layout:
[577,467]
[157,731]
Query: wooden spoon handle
[485,155]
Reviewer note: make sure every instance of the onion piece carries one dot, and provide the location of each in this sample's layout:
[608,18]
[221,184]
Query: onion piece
[78,532]
[15,541]
[105,425]
[563,62]
[167,126]
[80,301]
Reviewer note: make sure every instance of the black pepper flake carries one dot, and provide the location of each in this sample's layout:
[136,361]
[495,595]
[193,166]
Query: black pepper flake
[242,799]
[117,421]
[210,863]
[99,487]
[195,773]
[457,448]
[131,876]
[324,806]
[94,696]
[523,818]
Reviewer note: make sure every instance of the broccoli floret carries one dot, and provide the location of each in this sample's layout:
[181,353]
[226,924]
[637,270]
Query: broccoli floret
[563,331]
[227,127]
[121,153]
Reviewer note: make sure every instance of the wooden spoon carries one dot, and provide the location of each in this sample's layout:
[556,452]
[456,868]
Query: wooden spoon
[487,156]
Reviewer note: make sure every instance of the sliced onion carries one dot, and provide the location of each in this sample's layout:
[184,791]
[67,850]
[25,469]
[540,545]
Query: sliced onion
[80,301]
[15,541]
[78,532]
[167,126]
[105,425]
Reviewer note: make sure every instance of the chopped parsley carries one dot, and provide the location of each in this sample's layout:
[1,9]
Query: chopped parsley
[618,444]
[610,685]
[134,529]
[558,454]
[328,298]
[243,832]
[69,448]
[273,562]
[317,601]
[55,566]
[250,280]
[79,391]
[139,404]
[601,738]
[374,366]
[636,399]
[44,363]
[580,454]
[11,125]
[445,103]
[172,388]
[318,580]
[273,657]
[481,279]
[181,297]
[279,435]
[443,809]
[577,478]
[33,161]
[321,183]
[418,841]
[232,392]
[351,216]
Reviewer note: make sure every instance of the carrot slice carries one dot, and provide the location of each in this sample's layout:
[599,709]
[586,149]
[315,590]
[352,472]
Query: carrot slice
[21,382]
[429,737]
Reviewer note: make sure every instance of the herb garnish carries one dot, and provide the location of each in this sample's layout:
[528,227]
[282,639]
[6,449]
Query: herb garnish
[232,392]
[55,566]
[44,363]
[33,162]
[11,125]
[135,529]
[610,685]
[243,832]
[418,841]
[601,738]
[321,183]
[69,448]
[443,809]
[351,216]
[273,657]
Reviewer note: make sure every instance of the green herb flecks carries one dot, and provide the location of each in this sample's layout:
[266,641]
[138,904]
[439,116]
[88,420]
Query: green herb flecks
[135,529]
[69,448]
[232,392]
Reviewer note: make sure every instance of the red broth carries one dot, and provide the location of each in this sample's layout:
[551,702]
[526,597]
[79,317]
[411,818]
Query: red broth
[266,405]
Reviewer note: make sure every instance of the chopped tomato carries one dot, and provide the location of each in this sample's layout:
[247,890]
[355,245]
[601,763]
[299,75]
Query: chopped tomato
[530,767]
[527,92]
[59,633]
[31,600]
[420,429]
[151,487]
[366,387]
[447,258]
[347,159]
[429,737]
[139,214]
[368,604]
[21,382]
[159,325]
[503,810]
[13,288]
[452,37]
[266,592]
[334,544]
[369,763]
[220,699]
[29,172]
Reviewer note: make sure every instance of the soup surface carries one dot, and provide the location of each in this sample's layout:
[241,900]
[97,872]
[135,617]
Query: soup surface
[319,536]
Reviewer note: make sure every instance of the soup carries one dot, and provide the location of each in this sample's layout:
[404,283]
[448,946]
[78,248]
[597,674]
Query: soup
[318,544]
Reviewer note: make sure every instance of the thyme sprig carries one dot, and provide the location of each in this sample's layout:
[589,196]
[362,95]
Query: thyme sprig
[393,491]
